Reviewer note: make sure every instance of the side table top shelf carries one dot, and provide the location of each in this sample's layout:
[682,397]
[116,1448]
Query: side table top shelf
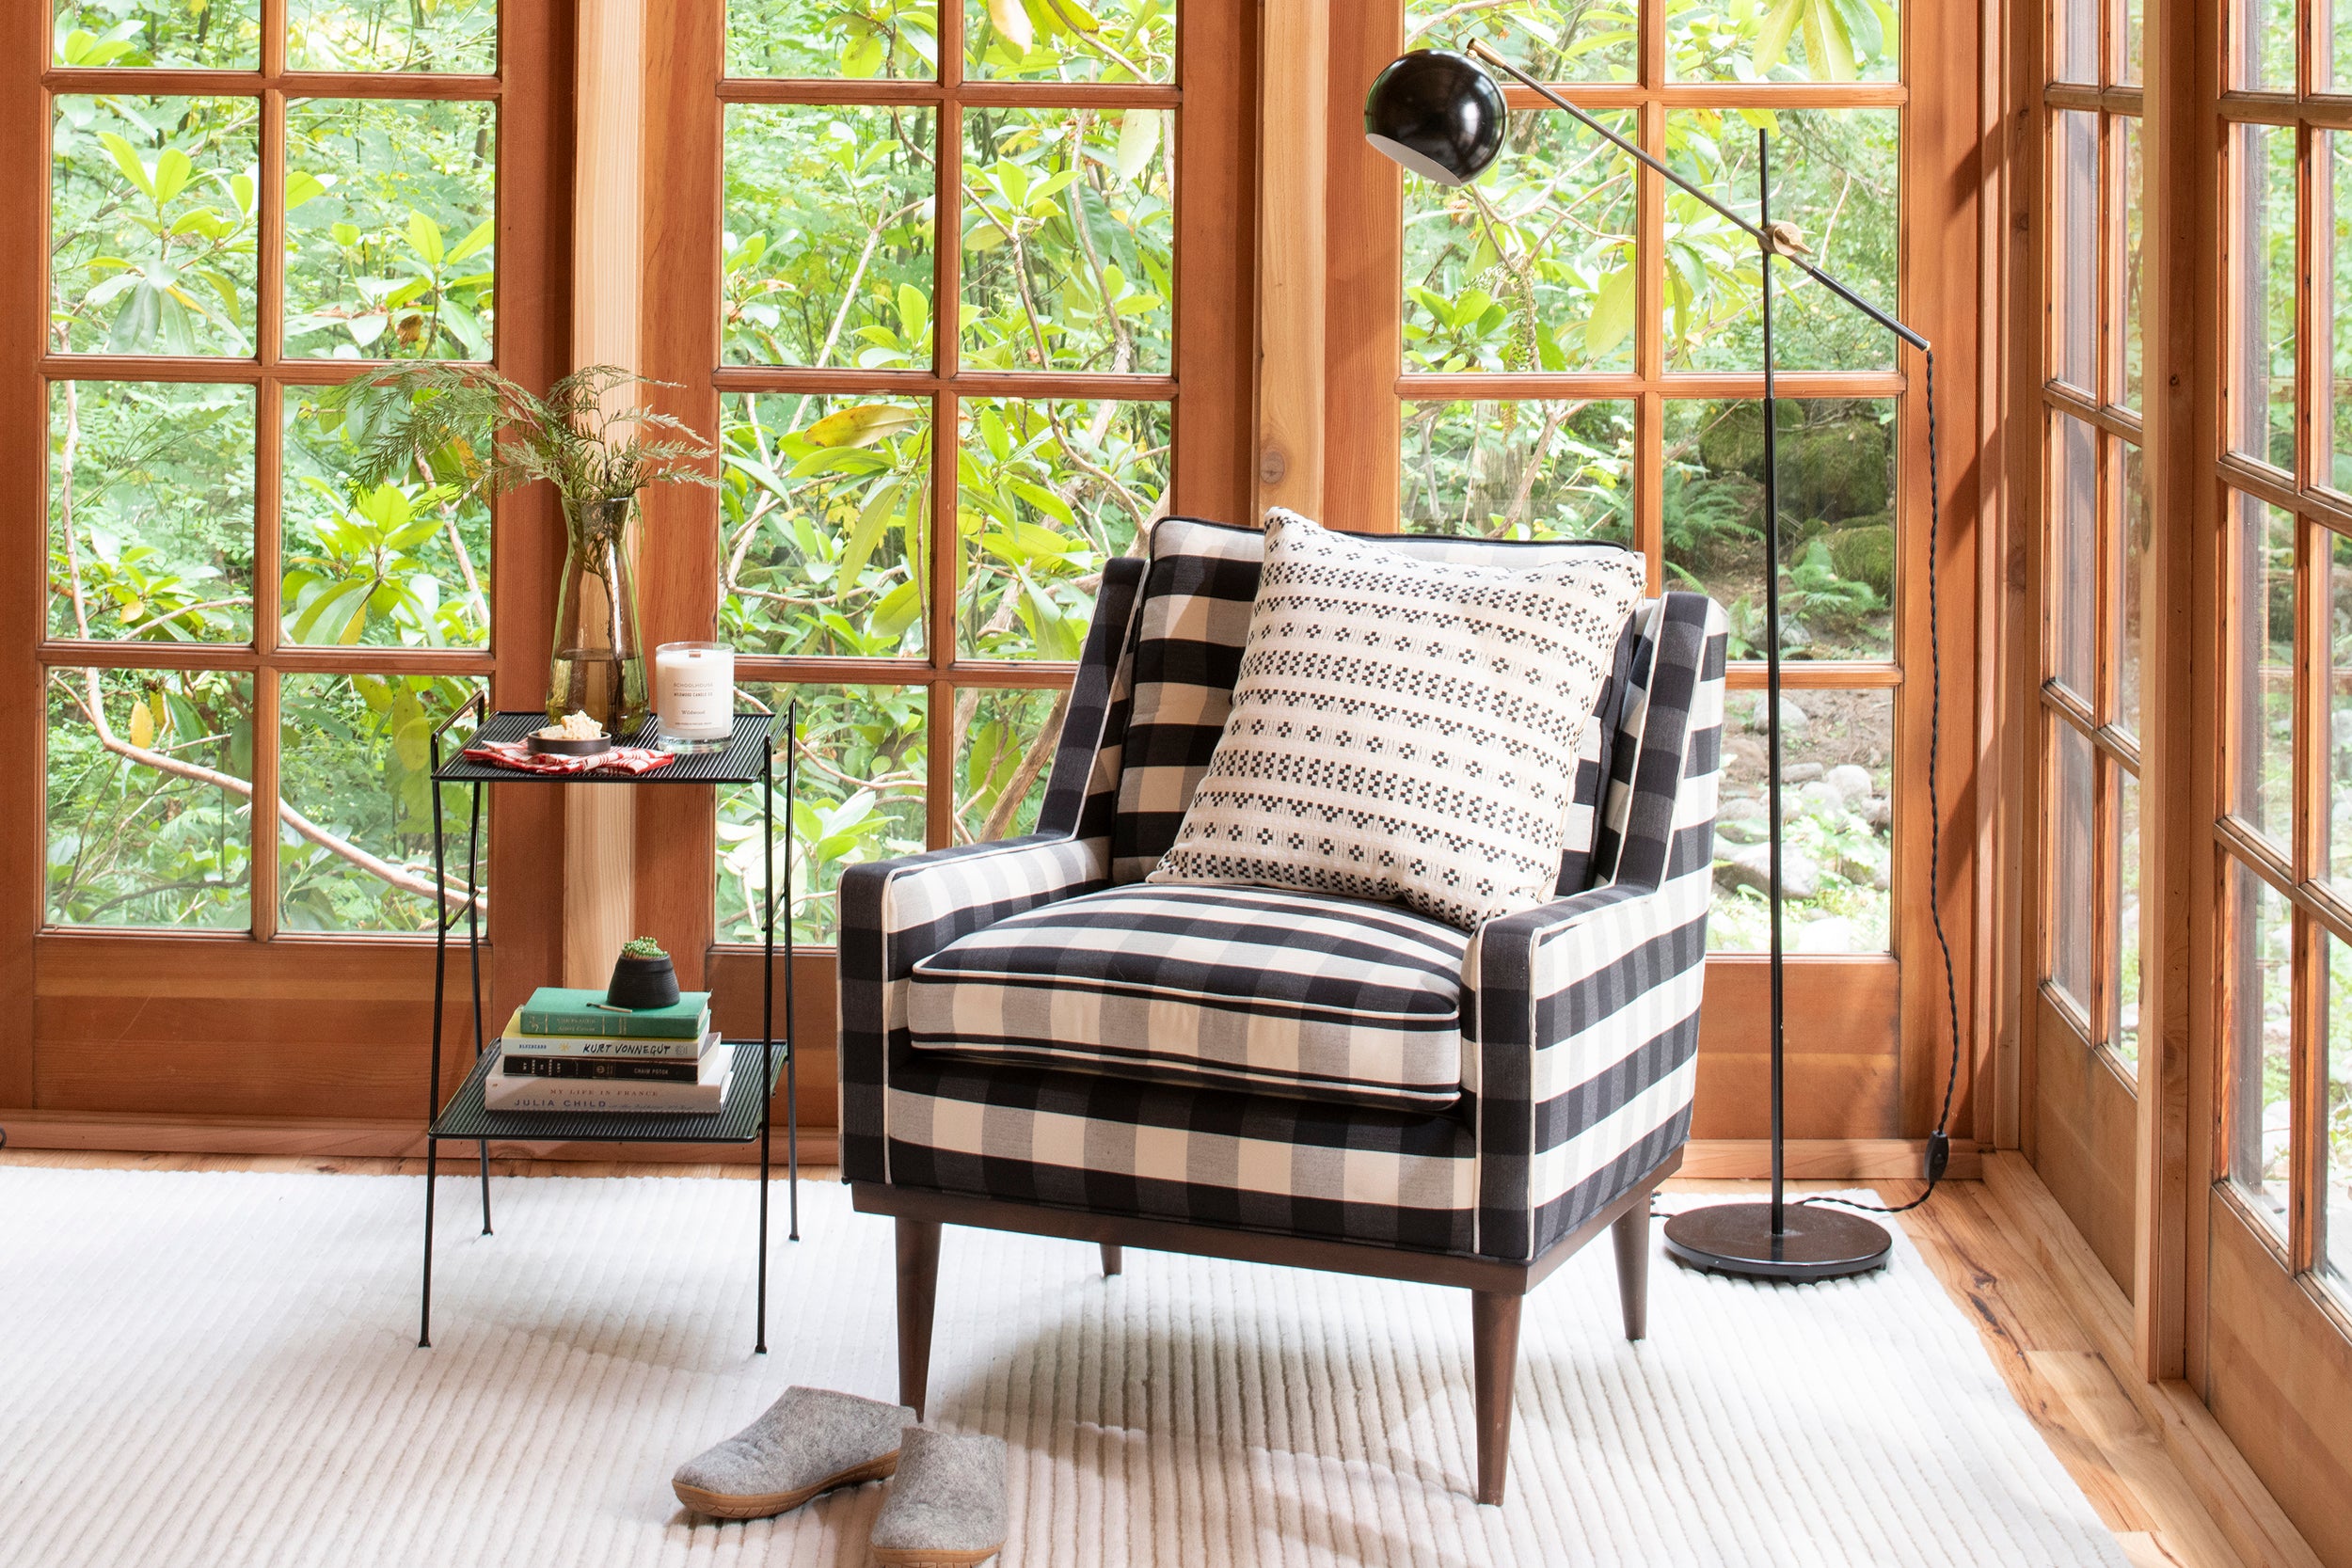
[744,761]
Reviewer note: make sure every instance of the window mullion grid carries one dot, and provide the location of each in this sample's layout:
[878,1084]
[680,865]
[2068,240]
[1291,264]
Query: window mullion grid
[2306,992]
[945,556]
[1649,332]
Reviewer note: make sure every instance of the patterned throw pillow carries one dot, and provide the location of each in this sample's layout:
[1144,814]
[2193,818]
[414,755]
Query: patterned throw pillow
[1405,728]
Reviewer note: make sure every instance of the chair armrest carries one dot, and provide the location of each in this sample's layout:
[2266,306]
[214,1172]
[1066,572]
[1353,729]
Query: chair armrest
[1581,1036]
[895,914]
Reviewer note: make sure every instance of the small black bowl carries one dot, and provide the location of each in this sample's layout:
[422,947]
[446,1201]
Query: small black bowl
[641,983]
[550,746]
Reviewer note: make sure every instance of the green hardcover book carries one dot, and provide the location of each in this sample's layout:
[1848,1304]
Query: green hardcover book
[555,1010]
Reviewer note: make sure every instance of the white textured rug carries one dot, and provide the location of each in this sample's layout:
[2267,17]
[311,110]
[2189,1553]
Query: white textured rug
[221,1370]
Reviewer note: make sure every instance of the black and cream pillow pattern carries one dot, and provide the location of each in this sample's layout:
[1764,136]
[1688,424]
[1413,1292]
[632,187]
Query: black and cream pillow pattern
[1405,728]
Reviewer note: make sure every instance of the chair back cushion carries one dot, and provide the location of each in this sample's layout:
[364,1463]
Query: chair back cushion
[1177,686]
[1248,988]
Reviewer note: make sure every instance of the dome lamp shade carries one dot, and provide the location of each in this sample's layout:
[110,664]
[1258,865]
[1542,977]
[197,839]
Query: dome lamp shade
[1438,114]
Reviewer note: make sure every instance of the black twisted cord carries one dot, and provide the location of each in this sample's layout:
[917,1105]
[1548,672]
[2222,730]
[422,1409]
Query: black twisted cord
[1939,1144]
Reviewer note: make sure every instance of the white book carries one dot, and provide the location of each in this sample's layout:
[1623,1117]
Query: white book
[516,1043]
[584,1095]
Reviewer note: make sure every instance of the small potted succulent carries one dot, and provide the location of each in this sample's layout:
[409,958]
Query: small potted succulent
[642,978]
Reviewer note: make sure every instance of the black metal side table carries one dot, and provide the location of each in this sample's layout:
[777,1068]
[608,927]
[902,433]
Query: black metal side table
[748,1112]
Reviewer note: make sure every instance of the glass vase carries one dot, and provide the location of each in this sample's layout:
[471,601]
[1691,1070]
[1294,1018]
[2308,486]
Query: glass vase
[599,663]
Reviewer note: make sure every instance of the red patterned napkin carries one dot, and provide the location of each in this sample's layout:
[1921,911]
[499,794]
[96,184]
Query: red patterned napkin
[518,756]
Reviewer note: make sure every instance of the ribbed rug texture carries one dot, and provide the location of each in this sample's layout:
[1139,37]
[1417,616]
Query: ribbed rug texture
[217,1369]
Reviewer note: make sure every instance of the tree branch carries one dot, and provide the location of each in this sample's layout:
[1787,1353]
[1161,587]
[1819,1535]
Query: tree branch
[93,712]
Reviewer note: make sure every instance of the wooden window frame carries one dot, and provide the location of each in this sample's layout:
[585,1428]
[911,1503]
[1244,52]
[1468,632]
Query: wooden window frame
[1209,389]
[2321,514]
[189,1041]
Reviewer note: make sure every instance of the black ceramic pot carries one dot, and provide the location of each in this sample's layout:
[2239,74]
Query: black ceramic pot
[639,983]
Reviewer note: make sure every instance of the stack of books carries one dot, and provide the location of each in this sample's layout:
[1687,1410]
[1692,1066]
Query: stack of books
[568,1051]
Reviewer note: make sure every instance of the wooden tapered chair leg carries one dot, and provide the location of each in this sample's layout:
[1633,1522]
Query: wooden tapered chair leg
[919,1290]
[1632,1234]
[1495,1354]
[1114,1257]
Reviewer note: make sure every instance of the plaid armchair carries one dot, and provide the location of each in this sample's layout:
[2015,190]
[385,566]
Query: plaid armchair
[1033,1038]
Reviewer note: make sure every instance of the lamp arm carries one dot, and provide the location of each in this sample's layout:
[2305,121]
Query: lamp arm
[1479,48]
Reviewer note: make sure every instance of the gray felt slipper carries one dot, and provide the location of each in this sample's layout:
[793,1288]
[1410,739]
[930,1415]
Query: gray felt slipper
[946,1509]
[811,1440]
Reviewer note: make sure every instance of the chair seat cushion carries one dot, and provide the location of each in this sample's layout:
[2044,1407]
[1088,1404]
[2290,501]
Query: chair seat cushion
[1266,989]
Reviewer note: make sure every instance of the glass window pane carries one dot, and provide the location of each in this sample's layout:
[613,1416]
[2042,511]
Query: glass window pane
[2261,1039]
[2336,423]
[1041,41]
[388,35]
[2123,1027]
[149,785]
[1837,751]
[1729,40]
[2075,41]
[1554,40]
[2129,340]
[150,511]
[1005,744]
[1532,267]
[2261,46]
[1836,519]
[1047,492]
[223,33]
[1519,470]
[2071,570]
[2130,28]
[2071,815]
[2263,648]
[390,221]
[828,237]
[354,767]
[2336,854]
[1069,235]
[1834,176]
[891,39]
[2336,1248]
[861,799]
[405,565]
[2261,285]
[152,223]
[823,513]
[2131,546]
[2073,336]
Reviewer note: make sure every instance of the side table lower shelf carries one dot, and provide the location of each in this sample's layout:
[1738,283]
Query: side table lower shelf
[743,1119]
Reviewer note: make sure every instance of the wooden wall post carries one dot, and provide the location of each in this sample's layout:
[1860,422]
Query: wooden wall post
[599,821]
[1293,158]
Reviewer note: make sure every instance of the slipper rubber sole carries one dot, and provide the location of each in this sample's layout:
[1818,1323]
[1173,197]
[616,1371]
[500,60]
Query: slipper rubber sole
[925,1557]
[718,1505]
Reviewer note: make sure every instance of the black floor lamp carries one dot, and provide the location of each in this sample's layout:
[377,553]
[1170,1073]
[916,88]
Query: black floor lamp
[1442,117]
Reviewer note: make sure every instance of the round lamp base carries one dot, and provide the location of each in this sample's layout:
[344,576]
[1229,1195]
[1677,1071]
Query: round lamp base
[1816,1241]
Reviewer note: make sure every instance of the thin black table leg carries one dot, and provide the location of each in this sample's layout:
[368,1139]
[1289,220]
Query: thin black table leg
[761,1346]
[424,1312]
[473,953]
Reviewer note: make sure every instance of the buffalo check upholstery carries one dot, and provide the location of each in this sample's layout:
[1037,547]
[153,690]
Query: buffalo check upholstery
[1030,1022]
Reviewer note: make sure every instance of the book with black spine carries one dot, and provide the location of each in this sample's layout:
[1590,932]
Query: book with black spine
[628,1069]
[503,1091]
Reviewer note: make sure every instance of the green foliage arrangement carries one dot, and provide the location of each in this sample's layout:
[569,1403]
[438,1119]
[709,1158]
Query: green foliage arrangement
[490,433]
[643,948]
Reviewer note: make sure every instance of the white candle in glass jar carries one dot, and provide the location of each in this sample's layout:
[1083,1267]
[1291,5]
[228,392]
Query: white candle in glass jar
[693,691]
